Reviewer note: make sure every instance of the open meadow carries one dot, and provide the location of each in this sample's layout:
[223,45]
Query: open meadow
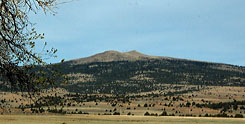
[108,119]
[212,101]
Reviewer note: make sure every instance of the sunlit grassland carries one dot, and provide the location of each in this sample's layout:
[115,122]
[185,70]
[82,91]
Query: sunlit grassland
[110,119]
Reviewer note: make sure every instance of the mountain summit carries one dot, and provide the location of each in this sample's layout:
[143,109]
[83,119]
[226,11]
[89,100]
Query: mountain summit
[109,56]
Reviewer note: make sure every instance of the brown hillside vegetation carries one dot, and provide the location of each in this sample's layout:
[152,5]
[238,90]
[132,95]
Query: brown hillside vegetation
[109,56]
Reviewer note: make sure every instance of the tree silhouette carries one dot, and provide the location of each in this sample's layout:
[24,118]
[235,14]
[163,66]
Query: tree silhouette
[18,38]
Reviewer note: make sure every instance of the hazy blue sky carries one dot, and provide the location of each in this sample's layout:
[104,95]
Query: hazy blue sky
[208,30]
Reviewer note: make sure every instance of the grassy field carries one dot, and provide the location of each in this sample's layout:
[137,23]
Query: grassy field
[136,104]
[94,119]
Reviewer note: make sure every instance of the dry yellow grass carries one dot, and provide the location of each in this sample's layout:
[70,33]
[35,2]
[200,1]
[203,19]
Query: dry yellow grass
[93,119]
[211,94]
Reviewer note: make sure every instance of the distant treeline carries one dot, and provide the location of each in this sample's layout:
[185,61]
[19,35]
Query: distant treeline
[225,106]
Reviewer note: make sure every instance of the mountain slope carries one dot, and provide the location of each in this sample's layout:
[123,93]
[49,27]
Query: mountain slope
[133,72]
[109,56]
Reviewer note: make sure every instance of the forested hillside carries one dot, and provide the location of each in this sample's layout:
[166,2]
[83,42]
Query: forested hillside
[148,75]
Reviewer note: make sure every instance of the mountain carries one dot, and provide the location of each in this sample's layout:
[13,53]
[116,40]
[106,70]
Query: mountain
[133,72]
[109,56]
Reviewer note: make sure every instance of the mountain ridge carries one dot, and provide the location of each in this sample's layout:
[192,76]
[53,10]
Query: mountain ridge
[112,55]
[133,72]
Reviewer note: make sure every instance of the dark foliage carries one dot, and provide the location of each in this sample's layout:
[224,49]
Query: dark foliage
[116,77]
[222,105]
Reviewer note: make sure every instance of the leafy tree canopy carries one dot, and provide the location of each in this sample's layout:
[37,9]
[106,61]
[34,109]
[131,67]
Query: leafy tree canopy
[18,38]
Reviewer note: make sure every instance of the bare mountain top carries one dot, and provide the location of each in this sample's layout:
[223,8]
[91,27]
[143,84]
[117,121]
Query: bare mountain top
[109,56]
